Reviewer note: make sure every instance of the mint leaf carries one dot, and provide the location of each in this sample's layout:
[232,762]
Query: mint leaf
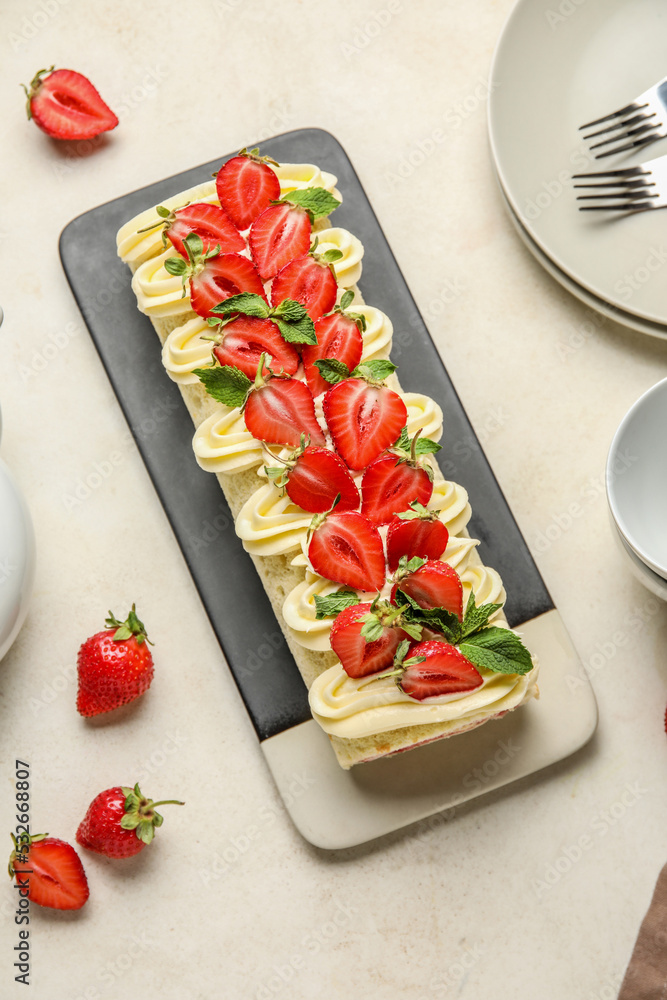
[434,618]
[289,310]
[302,332]
[425,446]
[332,370]
[333,604]
[475,617]
[226,384]
[317,201]
[497,649]
[247,303]
[377,370]
[176,266]
[294,323]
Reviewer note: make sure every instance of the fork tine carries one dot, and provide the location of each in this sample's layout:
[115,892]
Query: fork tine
[620,195]
[647,140]
[615,114]
[630,208]
[627,185]
[620,124]
[623,172]
[626,135]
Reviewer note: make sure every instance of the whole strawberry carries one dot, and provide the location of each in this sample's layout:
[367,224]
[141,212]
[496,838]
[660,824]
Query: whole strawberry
[120,822]
[115,666]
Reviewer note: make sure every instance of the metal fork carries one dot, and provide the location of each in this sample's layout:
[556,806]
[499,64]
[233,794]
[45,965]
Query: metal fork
[637,124]
[634,189]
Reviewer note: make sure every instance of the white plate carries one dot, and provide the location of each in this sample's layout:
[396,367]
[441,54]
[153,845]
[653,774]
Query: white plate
[555,67]
[599,305]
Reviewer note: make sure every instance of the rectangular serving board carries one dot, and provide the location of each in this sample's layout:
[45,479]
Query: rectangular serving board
[336,809]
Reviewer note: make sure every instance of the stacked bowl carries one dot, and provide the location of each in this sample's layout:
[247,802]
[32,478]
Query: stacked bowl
[637,488]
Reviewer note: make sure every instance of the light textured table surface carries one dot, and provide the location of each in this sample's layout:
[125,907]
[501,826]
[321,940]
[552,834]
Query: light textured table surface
[536,891]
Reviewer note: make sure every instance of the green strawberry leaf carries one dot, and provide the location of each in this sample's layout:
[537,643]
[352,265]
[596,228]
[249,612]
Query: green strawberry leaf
[372,629]
[332,370]
[176,266]
[346,300]
[406,566]
[316,200]
[194,246]
[333,604]
[247,303]
[377,370]
[497,649]
[418,510]
[163,212]
[331,256]
[227,384]
[402,443]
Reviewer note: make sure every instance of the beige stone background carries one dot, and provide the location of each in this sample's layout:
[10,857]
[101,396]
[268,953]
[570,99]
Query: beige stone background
[463,909]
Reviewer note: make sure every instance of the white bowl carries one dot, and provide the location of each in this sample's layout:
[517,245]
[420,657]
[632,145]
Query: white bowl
[641,572]
[637,478]
[17,558]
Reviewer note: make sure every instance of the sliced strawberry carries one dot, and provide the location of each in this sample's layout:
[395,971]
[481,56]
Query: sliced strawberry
[338,337]
[246,186]
[347,548]
[415,534]
[246,338]
[390,485]
[52,872]
[364,420]
[434,585]
[309,281]
[444,670]
[211,223]
[280,410]
[358,656]
[222,276]
[281,233]
[65,105]
[313,477]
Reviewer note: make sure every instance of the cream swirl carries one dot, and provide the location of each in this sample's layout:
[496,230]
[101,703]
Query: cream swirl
[424,415]
[348,268]
[159,293]
[135,247]
[294,176]
[451,500]
[222,443]
[270,524]
[484,582]
[353,708]
[184,350]
[378,334]
[299,612]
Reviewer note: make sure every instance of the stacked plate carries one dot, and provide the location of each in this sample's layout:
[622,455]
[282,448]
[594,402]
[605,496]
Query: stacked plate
[637,487]
[556,66]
